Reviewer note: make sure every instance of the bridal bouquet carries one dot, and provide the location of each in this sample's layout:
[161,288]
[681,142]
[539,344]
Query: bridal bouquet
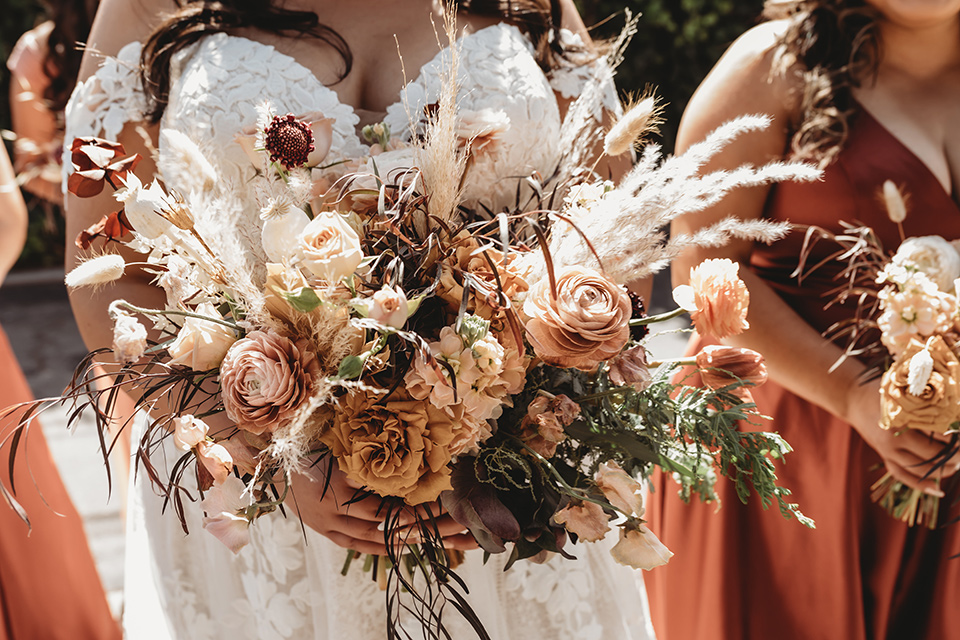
[907,324]
[442,355]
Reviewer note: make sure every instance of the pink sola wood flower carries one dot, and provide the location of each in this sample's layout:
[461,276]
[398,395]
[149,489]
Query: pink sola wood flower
[225,510]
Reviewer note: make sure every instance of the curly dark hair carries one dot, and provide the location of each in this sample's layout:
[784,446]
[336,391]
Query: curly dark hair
[837,44]
[538,19]
[71,26]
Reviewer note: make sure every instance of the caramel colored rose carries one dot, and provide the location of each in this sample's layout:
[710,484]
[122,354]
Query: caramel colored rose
[265,378]
[586,323]
[936,405]
[398,447]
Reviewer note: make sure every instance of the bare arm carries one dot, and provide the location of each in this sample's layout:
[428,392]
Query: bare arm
[797,356]
[13,216]
[38,136]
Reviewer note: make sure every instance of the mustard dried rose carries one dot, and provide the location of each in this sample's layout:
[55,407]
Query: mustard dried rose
[398,447]
[586,323]
[937,405]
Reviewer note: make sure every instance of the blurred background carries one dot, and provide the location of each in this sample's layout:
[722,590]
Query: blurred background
[676,44]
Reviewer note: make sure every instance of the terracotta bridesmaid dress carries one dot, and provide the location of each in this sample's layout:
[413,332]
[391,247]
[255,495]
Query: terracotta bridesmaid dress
[743,573]
[49,586]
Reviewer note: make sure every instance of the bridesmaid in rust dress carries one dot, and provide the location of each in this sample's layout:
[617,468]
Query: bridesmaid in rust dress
[870,91]
[49,586]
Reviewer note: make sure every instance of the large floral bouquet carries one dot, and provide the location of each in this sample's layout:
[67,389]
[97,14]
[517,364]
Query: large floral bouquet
[906,327]
[440,354]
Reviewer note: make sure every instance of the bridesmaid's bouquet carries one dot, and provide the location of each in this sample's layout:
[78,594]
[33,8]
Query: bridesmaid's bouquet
[907,325]
[444,356]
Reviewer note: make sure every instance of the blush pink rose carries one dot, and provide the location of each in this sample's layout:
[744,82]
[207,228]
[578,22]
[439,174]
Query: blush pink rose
[265,378]
[586,323]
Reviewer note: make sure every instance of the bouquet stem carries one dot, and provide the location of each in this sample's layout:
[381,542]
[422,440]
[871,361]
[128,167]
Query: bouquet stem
[905,503]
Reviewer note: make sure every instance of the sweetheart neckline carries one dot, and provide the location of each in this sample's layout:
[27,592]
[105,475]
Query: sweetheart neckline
[403,90]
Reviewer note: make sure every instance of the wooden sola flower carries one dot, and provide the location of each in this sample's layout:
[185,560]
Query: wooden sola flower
[96,161]
[288,141]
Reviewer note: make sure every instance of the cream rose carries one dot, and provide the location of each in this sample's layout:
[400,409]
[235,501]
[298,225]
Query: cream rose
[188,432]
[936,407]
[933,256]
[329,247]
[587,322]
[215,459]
[389,307]
[265,378]
[201,344]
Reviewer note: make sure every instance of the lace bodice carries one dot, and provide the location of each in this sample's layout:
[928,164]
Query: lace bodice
[287,583]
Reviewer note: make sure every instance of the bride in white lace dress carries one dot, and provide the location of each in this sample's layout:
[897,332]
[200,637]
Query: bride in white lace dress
[287,582]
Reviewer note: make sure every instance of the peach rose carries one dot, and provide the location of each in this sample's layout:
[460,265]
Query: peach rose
[716,298]
[640,548]
[201,344]
[587,322]
[389,307]
[936,405]
[721,365]
[397,447]
[619,488]
[588,520]
[265,378]
[329,247]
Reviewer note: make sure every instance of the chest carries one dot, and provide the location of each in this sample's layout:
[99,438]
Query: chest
[386,43]
[922,118]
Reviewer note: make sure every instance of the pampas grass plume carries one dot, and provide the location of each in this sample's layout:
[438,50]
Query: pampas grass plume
[896,206]
[96,272]
[642,117]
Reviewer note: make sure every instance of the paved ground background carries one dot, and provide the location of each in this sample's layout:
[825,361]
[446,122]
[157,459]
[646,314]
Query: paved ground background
[35,313]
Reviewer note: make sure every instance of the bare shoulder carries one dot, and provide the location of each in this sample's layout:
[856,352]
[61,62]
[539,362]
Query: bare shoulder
[120,22]
[572,20]
[750,78]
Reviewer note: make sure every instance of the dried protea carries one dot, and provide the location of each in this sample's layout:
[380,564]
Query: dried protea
[288,141]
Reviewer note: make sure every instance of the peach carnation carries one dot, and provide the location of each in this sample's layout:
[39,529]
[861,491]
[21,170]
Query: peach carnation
[716,298]
[265,378]
[586,323]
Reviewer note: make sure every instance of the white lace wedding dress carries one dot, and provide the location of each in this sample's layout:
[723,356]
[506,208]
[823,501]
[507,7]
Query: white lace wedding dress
[287,584]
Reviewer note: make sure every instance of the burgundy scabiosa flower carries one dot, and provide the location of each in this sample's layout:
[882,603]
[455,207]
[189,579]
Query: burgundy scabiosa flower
[288,141]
